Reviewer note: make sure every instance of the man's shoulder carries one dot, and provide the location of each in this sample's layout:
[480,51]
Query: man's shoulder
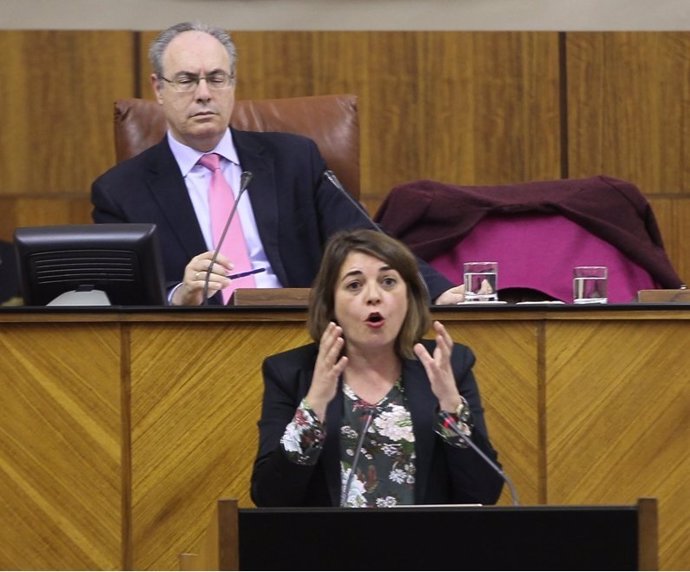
[272,138]
[138,163]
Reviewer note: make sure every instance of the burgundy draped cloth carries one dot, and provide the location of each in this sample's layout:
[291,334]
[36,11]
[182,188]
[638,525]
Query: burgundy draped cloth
[432,217]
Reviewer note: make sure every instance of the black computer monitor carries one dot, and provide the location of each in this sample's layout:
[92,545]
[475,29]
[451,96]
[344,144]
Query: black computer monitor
[90,265]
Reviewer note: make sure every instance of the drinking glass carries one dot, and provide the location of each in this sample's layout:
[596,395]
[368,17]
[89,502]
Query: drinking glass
[589,285]
[481,281]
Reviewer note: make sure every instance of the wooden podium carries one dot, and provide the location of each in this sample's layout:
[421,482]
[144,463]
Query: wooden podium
[122,427]
[430,538]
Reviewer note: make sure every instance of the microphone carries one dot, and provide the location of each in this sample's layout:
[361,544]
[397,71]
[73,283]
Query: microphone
[333,180]
[369,411]
[450,423]
[245,179]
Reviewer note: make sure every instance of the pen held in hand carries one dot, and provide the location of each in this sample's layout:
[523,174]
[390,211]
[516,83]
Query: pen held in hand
[247,273]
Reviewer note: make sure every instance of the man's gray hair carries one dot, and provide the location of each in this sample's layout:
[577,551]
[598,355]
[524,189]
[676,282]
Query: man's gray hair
[159,45]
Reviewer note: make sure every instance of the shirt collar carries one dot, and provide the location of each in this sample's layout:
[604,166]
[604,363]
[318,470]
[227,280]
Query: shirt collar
[187,157]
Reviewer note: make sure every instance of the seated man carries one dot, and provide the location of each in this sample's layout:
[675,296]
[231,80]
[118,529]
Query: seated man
[283,220]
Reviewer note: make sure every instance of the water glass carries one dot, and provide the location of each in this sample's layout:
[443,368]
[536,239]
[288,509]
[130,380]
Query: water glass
[481,281]
[589,285]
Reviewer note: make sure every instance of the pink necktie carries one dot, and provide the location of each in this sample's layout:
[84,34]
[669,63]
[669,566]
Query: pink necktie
[220,201]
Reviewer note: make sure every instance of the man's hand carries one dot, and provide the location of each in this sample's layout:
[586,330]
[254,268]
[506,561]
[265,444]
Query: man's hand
[455,295]
[191,291]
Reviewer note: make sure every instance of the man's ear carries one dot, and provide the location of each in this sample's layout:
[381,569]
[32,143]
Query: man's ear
[156,87]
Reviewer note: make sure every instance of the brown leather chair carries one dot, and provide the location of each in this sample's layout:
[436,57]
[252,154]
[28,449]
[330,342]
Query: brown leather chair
[330,120]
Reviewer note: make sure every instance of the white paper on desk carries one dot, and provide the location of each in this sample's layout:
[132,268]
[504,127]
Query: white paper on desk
[470,505]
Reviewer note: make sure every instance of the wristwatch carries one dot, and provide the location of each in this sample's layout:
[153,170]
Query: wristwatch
[463,413]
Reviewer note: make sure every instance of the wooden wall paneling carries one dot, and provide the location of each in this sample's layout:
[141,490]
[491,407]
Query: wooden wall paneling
[459,107]
[33,210]
[196,398]
[672,214]
[276,64]
[8,207]
[60,451]
[144,69]
[59,134]
[628,107]
[618,421]
[485,107]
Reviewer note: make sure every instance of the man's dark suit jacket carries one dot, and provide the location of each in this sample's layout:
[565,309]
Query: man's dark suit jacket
[295,209]
[444,474]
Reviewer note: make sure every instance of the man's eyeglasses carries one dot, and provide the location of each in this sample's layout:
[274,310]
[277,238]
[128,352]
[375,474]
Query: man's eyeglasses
[186,82]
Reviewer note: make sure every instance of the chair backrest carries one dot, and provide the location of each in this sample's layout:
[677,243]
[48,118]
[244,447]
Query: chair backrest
[330,120]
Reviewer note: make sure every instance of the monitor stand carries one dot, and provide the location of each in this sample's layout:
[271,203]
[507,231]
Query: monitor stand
[81,298]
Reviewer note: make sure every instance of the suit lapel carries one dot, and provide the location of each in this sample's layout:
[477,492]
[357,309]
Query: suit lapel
[422,405]
[264,195]
[170,193]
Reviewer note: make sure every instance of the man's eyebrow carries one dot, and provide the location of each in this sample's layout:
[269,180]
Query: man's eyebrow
[185,72]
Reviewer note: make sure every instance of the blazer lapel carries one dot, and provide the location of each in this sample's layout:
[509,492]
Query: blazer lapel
[263,194]
[170,193]
[422,405]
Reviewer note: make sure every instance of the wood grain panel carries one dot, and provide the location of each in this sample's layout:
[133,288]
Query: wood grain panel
[18,210]
[443,105]
[618,423]
[59,135]
[60,448]
[485,108]
[584,406]
[628,107]
[507,373]
[672,216]
[196,398]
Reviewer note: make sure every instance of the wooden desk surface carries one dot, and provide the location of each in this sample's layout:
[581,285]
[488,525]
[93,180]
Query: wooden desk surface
[122,427]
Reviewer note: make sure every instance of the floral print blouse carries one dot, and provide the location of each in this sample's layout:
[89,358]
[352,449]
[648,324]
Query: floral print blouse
[384,473]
